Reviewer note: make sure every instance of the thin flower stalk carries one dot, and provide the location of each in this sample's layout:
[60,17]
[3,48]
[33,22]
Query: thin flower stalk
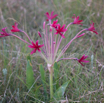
[63,34]
[59,41]
[20,38]
[16,29]
[45,39]
[67,59]
[53,46]
[51,39]
[48,43]
[66,47]
[26,35]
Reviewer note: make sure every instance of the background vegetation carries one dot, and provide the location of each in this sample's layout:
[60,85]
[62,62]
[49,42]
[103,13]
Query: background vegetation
[86,83]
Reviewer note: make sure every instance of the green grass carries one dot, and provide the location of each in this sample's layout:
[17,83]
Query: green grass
[86,83]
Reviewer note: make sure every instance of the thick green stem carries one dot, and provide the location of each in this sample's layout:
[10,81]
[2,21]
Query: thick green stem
[51,84]
[50,79]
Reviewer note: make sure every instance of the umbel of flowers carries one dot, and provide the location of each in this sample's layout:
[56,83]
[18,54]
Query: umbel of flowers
[52,36]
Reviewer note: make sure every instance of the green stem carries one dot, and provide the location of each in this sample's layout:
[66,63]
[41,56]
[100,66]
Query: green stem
[51,84]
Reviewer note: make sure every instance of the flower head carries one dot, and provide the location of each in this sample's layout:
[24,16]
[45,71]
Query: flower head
[82,60]
[35,46]
[76,20]
[60,29]
[92,28]
[4,33]
[50,17]
[54,25]
[15,28]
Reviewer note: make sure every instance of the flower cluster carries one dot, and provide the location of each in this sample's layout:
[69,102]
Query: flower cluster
[52,38]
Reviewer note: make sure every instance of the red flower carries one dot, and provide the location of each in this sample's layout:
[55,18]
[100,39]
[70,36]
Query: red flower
[35,46]
[4,33]
[92,28]
[54,25]
[15,28]
[82,59]
[59,30]
[76,20]
[50,17]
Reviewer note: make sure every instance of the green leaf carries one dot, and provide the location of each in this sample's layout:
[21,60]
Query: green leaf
[42,72]
[29,75]
[37,91]
[60,91]
[56,70]
[29,57]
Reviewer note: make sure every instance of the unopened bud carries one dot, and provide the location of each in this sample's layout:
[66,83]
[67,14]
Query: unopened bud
[81,35]
[39,34]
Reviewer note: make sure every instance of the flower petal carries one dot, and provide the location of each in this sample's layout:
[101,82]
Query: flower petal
[85,61]
[30,46]
[37,42]
[39,50]
[41,45]
[33,51]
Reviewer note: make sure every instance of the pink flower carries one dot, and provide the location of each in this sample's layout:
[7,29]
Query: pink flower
[39,34]
[15,28]
[54,25]
[82,60]
[35,46]
[59,30]
[92,28]
[76,20]
[50,17]
[4,33]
